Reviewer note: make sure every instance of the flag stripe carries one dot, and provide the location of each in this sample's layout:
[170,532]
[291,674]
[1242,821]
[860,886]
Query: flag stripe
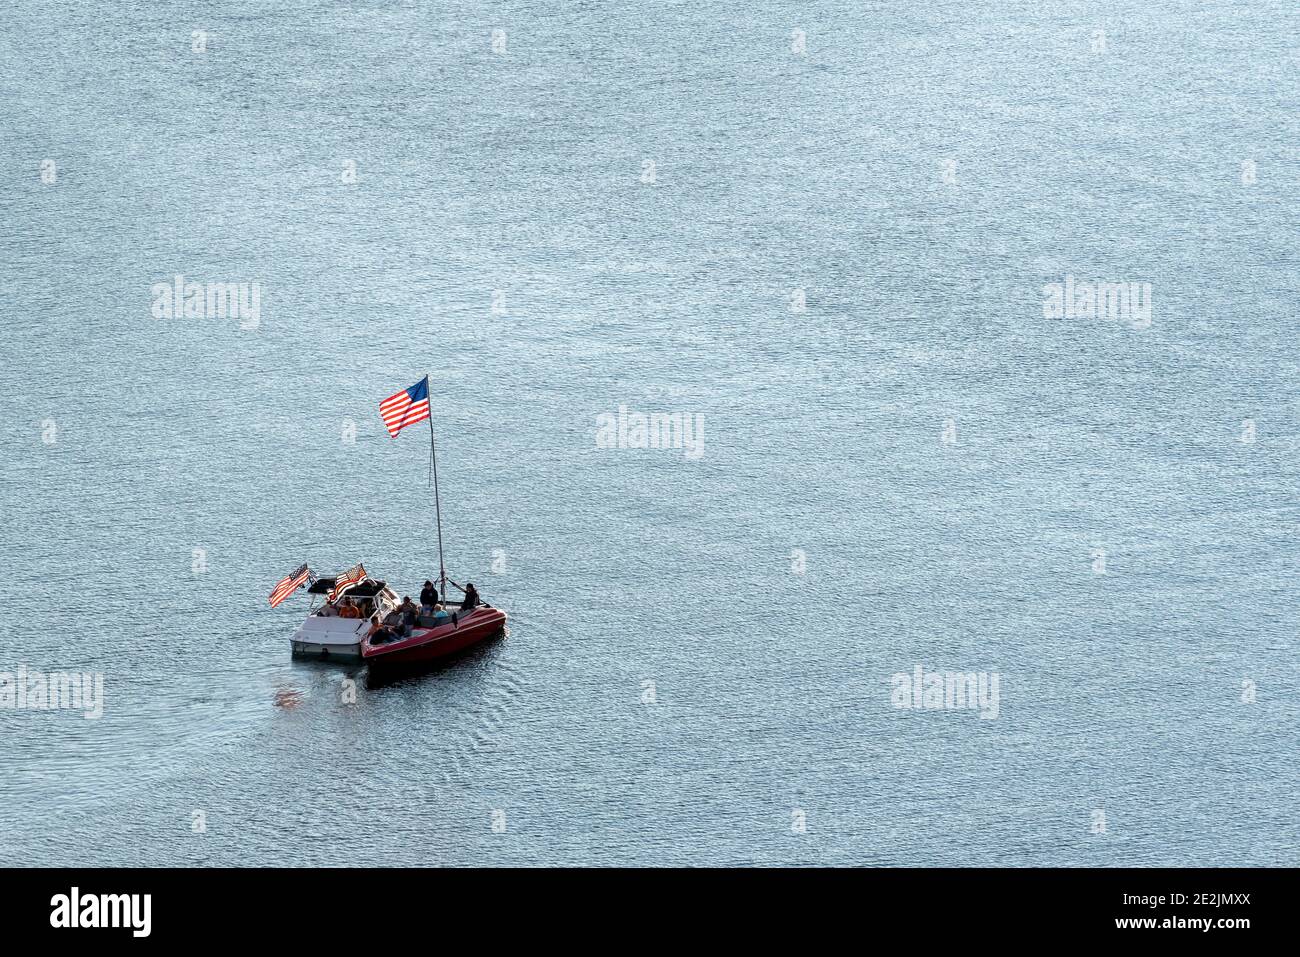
[400,419]
[281,594]
[406,415]
[406,407]
[346,580]
[288,585]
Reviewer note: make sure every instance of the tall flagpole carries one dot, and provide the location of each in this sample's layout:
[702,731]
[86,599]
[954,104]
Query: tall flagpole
[433,474]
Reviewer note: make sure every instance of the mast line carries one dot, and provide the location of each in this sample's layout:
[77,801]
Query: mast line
[433,474]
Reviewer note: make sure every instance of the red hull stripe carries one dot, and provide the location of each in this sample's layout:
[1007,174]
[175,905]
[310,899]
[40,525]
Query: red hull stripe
[421,647]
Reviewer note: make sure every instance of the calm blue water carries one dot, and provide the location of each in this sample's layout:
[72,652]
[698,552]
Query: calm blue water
[920,172]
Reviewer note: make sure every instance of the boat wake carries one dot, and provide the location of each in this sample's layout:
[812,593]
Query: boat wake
[505,689]
[487,718]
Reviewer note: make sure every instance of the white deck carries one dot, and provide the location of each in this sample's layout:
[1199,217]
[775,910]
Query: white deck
[333,635]
[332,632]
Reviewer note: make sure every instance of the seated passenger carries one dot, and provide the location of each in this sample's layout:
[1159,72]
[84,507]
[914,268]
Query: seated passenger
[406,612]
[440,616]
[328,611]
[471,600]
[378,633]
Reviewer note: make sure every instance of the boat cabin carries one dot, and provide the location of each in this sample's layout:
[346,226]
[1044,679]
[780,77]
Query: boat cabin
[334,629]
[365,598]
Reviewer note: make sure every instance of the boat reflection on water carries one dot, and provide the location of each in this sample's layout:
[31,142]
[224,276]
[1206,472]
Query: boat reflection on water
[288,698]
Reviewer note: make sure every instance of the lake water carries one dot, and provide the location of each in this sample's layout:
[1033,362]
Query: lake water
[822,233]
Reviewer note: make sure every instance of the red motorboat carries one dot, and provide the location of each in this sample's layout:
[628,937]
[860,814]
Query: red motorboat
[442,627]
[429,642]
[396,634]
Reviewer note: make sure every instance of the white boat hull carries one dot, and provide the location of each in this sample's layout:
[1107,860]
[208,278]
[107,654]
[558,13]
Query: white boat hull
[332,639]
[309,649]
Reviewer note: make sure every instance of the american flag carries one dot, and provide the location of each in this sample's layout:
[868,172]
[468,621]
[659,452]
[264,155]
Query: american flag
[406,407]
[289,584]
[349,578]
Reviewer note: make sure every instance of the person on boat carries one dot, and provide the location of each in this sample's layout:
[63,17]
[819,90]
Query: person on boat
[328,611]
[393,620]
[440,616]
[408,611]
[349,610]
[378,633]
[428,598]
[471,599]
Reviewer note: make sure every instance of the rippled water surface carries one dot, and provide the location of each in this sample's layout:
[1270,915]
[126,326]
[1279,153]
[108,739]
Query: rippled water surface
[672,690]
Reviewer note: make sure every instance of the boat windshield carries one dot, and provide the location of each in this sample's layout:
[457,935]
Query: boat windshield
[361,600]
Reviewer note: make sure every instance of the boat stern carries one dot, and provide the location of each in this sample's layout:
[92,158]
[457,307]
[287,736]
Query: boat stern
[329,639]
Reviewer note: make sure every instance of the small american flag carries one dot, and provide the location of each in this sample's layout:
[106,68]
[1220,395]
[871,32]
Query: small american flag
[406,407]
[289,584]
[349,578]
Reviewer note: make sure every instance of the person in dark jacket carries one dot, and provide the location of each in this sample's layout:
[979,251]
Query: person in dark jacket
[428,598]
[471,600]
